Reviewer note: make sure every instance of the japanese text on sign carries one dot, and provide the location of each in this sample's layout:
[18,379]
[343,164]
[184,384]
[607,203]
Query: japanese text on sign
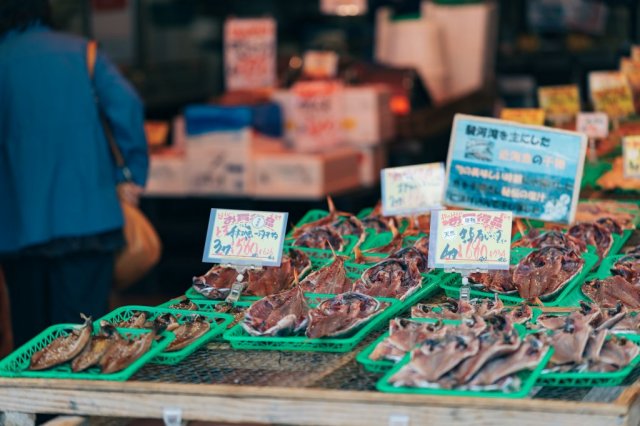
[533,171]
[611,94]
[631,156]
[412,189]
[523,115]
[559,101]
[470,239]
[243,237]
[316,113]
[250,53]
[593,124]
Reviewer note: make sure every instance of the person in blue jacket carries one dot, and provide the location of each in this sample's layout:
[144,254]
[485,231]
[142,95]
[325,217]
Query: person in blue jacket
[60,216]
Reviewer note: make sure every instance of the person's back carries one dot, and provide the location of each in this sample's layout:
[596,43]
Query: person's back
[60,217]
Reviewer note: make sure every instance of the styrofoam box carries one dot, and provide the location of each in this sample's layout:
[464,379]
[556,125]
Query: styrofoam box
[167,173]
[289,174]
[368,119]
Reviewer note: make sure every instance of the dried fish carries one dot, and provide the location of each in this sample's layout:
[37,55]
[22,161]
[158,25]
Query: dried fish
[320,223]
[497,281]
[545,272]
[570,341]
[64,348]
[341,314]
[184,304]
[137,320]
[324,238]
[628,267]
[124,352]
[330,279]
[389,278]
[96,348]
[280,314]
[188,332]
[392,246]
[611,291]
[451,309]
[519,315]
[554,238]
[404,335]
[594,235]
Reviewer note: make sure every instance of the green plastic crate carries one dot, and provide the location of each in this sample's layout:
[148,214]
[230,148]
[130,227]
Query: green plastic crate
[17,363]
[319,255]
[453,289]
[240,339]
[310,216]
[218,326]
[404,223]
[587,379]
[617,245]
[528,379]
[592,172]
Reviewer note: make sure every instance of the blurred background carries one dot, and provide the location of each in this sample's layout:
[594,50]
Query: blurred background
[403,68]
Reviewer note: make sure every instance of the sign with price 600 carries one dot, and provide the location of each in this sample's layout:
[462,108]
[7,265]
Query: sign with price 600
[245,237]
[470,239]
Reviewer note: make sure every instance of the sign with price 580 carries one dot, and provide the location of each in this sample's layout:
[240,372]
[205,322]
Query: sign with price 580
[470,239]
[244,237]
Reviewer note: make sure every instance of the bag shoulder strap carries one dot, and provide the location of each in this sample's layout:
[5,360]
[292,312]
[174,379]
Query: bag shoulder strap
[91,55]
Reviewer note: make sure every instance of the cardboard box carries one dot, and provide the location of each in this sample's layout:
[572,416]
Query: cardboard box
[289,174]
[368,119]
[371,160]
[219,163]
[167,173]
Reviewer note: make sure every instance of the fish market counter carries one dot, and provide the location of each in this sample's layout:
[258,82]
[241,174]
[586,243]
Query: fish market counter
[304,389]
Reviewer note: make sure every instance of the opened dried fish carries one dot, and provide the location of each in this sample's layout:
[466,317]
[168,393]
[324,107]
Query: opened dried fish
[188,332]
[593,234]
[96,348]
[404,335]
[342,314]
[628,267]
[324,238]
[280,314]
[330,279]
[389,278]
[554,238]
[124,352]
[64,348]
[611,291]
[497,281]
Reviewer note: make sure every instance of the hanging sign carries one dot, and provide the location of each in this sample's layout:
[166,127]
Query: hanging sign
[523,115]
[412,189]
[245,237]
[610,93]
[533,171]
[470,239]
[631,156]
[250,53]
[559,102]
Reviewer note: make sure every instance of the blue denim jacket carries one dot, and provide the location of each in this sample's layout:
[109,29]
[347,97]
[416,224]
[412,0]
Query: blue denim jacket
[57,176]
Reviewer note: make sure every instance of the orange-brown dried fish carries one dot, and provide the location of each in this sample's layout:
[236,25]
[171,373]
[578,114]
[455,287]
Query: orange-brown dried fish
[125,352]
[64,348]
[188,332]
[97,347]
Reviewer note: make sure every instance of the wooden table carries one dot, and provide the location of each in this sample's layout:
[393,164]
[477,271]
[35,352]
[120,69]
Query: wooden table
[229,403]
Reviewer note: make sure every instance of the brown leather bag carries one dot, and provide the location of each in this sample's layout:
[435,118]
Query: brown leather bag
[6,335]
[143,246]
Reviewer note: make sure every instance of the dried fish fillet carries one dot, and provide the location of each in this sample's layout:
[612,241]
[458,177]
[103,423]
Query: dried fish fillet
[188,332]
[341,314]
[95,350]
[392,278]
[330,279]
[64,348]
[280,314]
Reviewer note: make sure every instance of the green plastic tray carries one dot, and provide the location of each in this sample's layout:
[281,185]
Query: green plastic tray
[587,379]
[310,216]
[592,172]
[381,239]
[195,296]
[528,379]
[319,255]
[453,289]
[617,245]
[404,223]
[17,363]
[240,339]
[218,326]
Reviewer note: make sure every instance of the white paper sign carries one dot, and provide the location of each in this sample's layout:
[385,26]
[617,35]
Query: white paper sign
[250,53]
[316,113]
[412,189]
[631,156]
[593,124]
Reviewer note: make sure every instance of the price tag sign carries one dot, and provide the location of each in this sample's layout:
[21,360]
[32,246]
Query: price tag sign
[245,237]
[412,189]
[593,124]
[523,115]
[320,64]
[470,239]
[631,156]
[316,113]
[250,53]
[533,171]
[559,102]
[610,93]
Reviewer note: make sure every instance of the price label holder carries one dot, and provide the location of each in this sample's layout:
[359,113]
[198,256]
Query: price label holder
[523,115]
[631,156]
[412,189]
[244,240]
[596,126]
[533,171]
[470,241]
[560,103]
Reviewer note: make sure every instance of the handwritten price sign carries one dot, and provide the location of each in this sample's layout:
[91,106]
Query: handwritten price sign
[611,94]
[412,189]
[316,113]
[631,156]
[593,124]
[243,237]
[250,53]
[470,239]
